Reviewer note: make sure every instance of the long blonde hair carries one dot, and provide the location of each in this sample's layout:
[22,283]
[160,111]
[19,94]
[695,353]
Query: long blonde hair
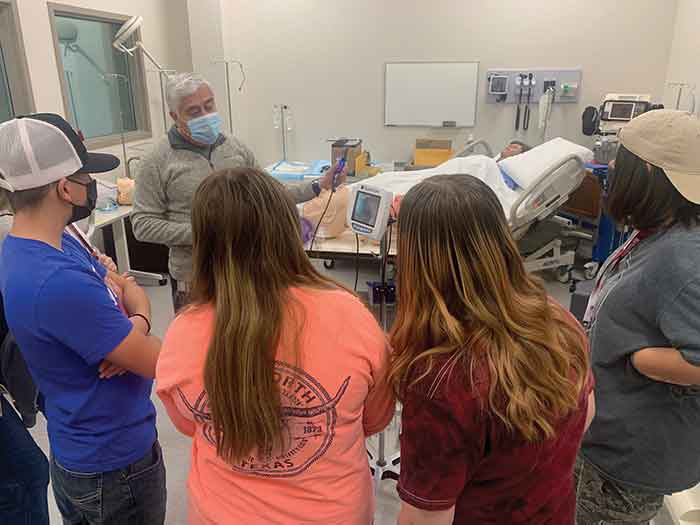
[248,253]
[464,293]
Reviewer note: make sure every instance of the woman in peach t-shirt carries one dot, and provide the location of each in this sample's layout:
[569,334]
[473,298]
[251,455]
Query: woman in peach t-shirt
[276,372]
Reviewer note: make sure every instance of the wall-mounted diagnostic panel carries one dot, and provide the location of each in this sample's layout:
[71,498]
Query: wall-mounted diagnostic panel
[516,86]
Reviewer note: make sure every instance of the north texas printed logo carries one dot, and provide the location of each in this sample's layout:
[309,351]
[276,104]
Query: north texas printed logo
[308,415]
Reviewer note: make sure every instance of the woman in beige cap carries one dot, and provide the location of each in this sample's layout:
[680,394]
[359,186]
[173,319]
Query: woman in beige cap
[644,325]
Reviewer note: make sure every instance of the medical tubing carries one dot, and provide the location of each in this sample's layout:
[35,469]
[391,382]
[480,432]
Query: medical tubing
[385,261]
[357,260]
[526,118]
[313,238]
[520,101]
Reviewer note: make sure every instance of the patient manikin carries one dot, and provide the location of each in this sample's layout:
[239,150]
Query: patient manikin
[330,208]
[514,147]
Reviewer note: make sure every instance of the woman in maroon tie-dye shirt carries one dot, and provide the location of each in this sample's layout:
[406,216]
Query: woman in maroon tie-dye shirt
[493,375]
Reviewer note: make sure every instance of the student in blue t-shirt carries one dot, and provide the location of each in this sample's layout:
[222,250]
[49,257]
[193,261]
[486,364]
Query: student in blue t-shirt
[87,345]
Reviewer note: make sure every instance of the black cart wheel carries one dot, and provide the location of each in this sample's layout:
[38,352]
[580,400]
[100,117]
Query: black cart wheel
[563,274]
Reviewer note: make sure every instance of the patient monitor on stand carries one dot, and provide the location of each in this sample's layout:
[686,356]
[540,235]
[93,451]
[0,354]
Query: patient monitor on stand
[617,110]
[369,216]
[607,121]
[369,211]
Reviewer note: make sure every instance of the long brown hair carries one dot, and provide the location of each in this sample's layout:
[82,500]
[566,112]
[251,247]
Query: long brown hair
[248,253]
[464,293]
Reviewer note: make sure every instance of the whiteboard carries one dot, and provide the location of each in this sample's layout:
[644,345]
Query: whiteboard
[430,93]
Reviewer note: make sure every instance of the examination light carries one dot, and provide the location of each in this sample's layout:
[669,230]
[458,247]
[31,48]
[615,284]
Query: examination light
[125,32]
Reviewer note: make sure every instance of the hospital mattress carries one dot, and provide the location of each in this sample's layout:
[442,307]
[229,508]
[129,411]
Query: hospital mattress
[483,168]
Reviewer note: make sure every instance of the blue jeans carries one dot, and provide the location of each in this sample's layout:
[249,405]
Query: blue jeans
[133,495]
[24,473]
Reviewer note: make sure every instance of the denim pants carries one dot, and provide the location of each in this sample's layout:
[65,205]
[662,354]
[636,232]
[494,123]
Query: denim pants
[601,501]
[24,473]
[133,495]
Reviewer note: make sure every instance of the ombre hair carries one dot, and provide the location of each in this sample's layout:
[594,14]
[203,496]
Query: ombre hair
[248,253]
[464,294]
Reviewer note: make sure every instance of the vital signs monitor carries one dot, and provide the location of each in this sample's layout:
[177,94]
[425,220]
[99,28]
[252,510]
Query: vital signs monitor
[368,215]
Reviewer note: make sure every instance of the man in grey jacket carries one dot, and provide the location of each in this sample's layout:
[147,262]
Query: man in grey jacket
[169,175]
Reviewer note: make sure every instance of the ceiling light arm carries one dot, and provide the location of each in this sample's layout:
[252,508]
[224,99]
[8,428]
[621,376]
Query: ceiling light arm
[128,29]
[139,45]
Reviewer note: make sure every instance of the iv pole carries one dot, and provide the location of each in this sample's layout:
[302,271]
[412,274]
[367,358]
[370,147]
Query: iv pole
[228,86]
[282,110]
[125,79]
[164,73]
[681,87]
[381,466]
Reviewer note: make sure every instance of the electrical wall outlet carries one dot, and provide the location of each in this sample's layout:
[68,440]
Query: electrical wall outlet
[568,90]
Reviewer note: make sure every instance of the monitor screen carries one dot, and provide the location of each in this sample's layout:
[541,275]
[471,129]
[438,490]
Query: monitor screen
[499,85]
[366,208]
[622,110]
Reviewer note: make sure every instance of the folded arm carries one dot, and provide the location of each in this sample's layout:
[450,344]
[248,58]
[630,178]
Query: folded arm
[76,309]
[138,352]
[679,321]
[666,365]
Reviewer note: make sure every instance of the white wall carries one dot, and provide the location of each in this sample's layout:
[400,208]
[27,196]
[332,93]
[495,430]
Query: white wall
[684,62]
[206,25]
[165,33]
[325,59]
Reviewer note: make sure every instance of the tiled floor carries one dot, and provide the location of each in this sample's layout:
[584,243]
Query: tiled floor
[177,448]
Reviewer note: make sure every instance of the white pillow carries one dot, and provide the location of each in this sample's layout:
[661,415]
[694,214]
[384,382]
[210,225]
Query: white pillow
[527,167]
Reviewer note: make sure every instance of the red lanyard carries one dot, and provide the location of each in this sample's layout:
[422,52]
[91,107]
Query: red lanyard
[82,238]
[617,257]
[608,268]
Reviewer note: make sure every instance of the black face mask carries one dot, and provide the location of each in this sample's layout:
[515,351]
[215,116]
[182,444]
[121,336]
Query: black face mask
[81,212]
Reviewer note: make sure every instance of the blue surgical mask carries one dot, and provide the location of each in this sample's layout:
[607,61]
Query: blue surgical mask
[205,129]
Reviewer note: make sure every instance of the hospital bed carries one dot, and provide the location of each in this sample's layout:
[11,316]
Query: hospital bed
[540,203]
[473,146]
[546,176]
